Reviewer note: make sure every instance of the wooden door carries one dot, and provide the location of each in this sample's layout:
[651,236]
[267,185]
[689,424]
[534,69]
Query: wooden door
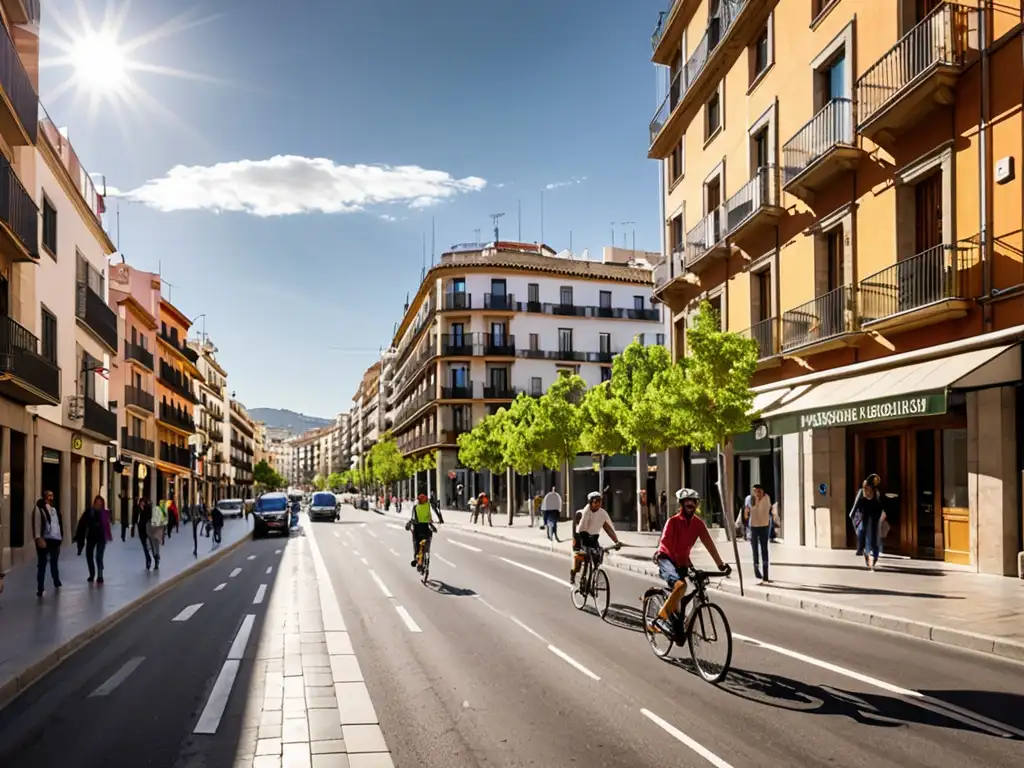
[885,455]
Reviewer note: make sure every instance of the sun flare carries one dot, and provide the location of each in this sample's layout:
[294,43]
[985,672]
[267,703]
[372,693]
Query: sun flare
[100,63]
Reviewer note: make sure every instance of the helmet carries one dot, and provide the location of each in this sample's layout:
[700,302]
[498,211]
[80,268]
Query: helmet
[593,495]
[684,494]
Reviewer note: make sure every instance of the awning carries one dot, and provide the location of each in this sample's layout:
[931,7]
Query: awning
[917,389]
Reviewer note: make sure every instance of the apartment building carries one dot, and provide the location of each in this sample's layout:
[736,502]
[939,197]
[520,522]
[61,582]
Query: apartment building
[366,418]
[496,319]
[839,179]
[242,445]
[340,458]
[210,415]
[176,399]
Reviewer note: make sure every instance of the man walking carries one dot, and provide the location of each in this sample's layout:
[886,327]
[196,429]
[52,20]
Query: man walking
[759,521]
[49,535]
[155,530]
[141,517]
[551,508]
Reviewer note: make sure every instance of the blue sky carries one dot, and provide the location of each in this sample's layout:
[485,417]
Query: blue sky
[302,267]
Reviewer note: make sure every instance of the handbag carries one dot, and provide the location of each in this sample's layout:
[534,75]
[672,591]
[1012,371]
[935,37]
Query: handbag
[883,529]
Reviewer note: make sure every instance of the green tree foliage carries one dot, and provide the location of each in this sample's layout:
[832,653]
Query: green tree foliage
[389,466]
[335,481]
[558,426]
[604,414]
[521,448]
[264,476]
[646,382]
[483,447]
[319,482]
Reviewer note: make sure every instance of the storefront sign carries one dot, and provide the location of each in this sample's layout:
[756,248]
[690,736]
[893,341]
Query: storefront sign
[908,406]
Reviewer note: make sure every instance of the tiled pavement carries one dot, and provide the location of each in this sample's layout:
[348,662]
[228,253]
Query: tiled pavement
[307,698]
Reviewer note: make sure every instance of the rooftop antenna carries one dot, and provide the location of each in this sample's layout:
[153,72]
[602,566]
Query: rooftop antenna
[423,266]
[432,241]
[477,233]
[494,218]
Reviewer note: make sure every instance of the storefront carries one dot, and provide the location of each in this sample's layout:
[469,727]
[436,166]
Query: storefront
[941,431]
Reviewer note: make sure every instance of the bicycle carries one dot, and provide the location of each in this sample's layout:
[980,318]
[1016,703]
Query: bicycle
[423,559]
[705,625]
[593,581]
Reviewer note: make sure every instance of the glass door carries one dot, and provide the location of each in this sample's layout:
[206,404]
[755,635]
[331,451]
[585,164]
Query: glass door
[883,456]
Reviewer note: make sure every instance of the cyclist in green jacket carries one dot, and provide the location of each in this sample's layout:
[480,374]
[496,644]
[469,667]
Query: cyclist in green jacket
[421,524]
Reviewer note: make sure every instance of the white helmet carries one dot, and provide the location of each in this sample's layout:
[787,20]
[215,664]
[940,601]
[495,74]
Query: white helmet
[687,493]
[593,495]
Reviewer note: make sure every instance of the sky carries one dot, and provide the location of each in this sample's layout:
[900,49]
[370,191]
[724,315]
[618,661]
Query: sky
[281,162]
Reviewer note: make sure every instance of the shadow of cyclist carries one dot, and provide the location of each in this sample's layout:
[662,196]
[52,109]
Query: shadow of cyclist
[447,589]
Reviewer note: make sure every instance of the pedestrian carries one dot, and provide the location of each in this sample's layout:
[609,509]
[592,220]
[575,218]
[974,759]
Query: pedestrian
[49,535]
[868,517]
[156,530]
[142,513]
[483,507]
[435,503]
[663,508]
[759,519]
[124,519]
[92,534]
[218,525]
[551,508]
[172,517]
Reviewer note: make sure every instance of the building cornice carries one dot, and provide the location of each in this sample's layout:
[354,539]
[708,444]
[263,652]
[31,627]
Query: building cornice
[60,172]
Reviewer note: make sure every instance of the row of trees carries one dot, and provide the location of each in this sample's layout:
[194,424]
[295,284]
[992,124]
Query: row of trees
[383,468]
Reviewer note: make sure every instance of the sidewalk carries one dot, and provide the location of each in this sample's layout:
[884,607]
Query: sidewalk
[37,633]
[927,599]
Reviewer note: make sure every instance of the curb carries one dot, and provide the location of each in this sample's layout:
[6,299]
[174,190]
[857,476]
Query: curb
[18,684]
[955,638]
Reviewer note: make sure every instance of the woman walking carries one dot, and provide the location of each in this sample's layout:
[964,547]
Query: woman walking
[141,516]
[93,534]
[155,530]
[867,516]
[49,534]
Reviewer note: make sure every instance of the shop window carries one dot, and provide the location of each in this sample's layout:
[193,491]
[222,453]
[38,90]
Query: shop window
[954,469]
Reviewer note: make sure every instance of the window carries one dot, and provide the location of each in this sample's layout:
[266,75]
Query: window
[534,342]
[49,336]
[677,233]
[759,149]
[638,303]
[675,164]
[457,335]
[49,227]
[565,339]
[498,289]
[89,275]
[565,295]
[89,373]
[606,373]
[536,386]
[834,258]
[4,297]
[605,299]
[533,293]
[605,343]
[640,339]
[712,116]
[760,53]
[497,334]
[659,339]
[954,469]
[928,213]
[763,295]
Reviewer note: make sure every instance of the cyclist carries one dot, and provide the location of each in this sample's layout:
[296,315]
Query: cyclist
[673,554]
[422,526]
[586,530]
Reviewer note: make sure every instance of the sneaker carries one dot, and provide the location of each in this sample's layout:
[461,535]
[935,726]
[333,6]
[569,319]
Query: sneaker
[662,626]
[58,585]
[99,580]
[572,577]
[91,579]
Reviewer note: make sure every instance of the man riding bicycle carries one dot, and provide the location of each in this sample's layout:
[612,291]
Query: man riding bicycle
[673,555]
[422,527]
[587,526]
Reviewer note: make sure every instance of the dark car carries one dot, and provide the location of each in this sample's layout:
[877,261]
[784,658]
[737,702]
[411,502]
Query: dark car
[271,514]
[323,506]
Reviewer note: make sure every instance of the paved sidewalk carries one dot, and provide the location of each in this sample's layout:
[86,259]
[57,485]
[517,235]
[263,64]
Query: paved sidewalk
[931,600]
[37,633]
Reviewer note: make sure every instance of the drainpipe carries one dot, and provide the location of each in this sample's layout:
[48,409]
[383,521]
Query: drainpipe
[984,165]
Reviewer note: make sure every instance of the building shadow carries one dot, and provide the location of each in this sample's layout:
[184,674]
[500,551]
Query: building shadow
[841,589]
[886,567]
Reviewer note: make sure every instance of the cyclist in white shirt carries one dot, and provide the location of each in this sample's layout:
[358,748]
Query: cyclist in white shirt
[587,526]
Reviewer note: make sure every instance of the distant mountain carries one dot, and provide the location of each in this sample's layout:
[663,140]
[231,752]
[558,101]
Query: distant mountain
[281,418]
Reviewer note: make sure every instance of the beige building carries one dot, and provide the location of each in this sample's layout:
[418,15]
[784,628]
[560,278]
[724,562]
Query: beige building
[211,417]
[241,432]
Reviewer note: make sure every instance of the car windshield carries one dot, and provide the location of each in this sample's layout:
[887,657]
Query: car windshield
[272,504]
[323,500]
[229,505]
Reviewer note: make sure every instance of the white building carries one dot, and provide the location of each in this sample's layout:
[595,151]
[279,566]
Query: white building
[491,321]
[211,417]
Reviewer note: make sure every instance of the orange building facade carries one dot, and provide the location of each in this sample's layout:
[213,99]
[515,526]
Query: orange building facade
[175,401]
[841,181]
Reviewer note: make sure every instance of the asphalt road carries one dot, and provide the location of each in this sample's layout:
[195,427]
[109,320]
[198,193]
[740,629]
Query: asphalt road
[492,666]
[132,697]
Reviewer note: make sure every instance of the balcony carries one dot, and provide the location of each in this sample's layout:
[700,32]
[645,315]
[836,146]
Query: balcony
[173,454]
[92,312]
[500,346]
[22,11]
[457,345]
[139,354]
[459,392]
[668,31]
[725,39]
[412,406]
[604,356]
[216,435]
[455,300]
[173,380]
[567,355]
[502,392]
[671,277]
[822,149]
[756,206]
[500,301]
[177,417]
[915,75]
[99,420]
[451,436]
[928,288]
[19,215]
[140,399]
[19,105]
[26,376]
[820,324]
[532,354]
[764,333]
[706,240]
[136,444]
[179,346]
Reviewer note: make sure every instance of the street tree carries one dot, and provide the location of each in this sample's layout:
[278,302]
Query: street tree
[319,482]
[265,478]
[604,415]
[558,425]
[716,400]
[521,448]
[483,447]
[389,466]
[335,481]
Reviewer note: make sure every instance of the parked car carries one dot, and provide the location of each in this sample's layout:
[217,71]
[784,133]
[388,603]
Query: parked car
[230,507]
[271,514]
[324,506]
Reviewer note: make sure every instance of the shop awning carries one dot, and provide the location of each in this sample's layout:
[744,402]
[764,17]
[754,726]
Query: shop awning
[916,389]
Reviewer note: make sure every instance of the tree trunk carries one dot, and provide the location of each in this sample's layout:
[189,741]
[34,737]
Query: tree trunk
[567,482]
[511,494]
[725,479]
[641,485]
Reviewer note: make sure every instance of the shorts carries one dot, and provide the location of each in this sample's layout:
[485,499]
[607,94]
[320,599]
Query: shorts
[668,571]
[583,540]
[421,531]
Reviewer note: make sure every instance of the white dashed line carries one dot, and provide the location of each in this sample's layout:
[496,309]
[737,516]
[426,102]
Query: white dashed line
[537,571]
[412,625]
[242,637]
[458,543]
[523,626]
[188,613]
[209,720]
[347,533]
[251,557]
[373,533]
[364,560]
[396,527]
[701,750]
[260,594]
[383,587]
[567,658]
[277,551]
[355,552]
[219,587]
[336,534]
[271,568]
[449,563]
[344,544]
[392,552]
[234,573]
[118,677]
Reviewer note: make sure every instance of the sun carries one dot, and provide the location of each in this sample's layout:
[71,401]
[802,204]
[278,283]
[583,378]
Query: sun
[100,63]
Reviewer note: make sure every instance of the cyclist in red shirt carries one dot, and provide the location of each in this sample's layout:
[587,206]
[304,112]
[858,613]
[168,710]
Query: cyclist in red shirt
[677,539]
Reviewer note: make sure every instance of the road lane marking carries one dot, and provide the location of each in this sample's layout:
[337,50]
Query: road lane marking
[700,749]
[344,544]
[523,626]
[251,557]
[234,573]
[277,551]
[396,527]
[355,552]
[412,625]
[349,534]
[271,568]
[392,551]
[336,534]
[921,700]
[449,563]
[364,560]
[209,720]
[572,662]
[458,543]
[383,588]
[118,677]
[219,587]
[188,613]
[260,594]
[241,638]
[537,571]
[373,533]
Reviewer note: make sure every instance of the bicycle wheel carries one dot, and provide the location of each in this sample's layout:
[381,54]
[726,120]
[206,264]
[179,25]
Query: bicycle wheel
[710,641]
[426,565]
[602,592]
[661,644]
[581,588]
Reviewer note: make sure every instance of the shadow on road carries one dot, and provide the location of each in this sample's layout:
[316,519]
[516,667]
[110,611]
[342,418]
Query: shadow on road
[447,589]
[884,567]
[841,589]
[623,617]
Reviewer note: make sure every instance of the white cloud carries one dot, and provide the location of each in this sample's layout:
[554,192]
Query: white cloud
[571,182]
[288,184]
[386,217]
[501,185]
